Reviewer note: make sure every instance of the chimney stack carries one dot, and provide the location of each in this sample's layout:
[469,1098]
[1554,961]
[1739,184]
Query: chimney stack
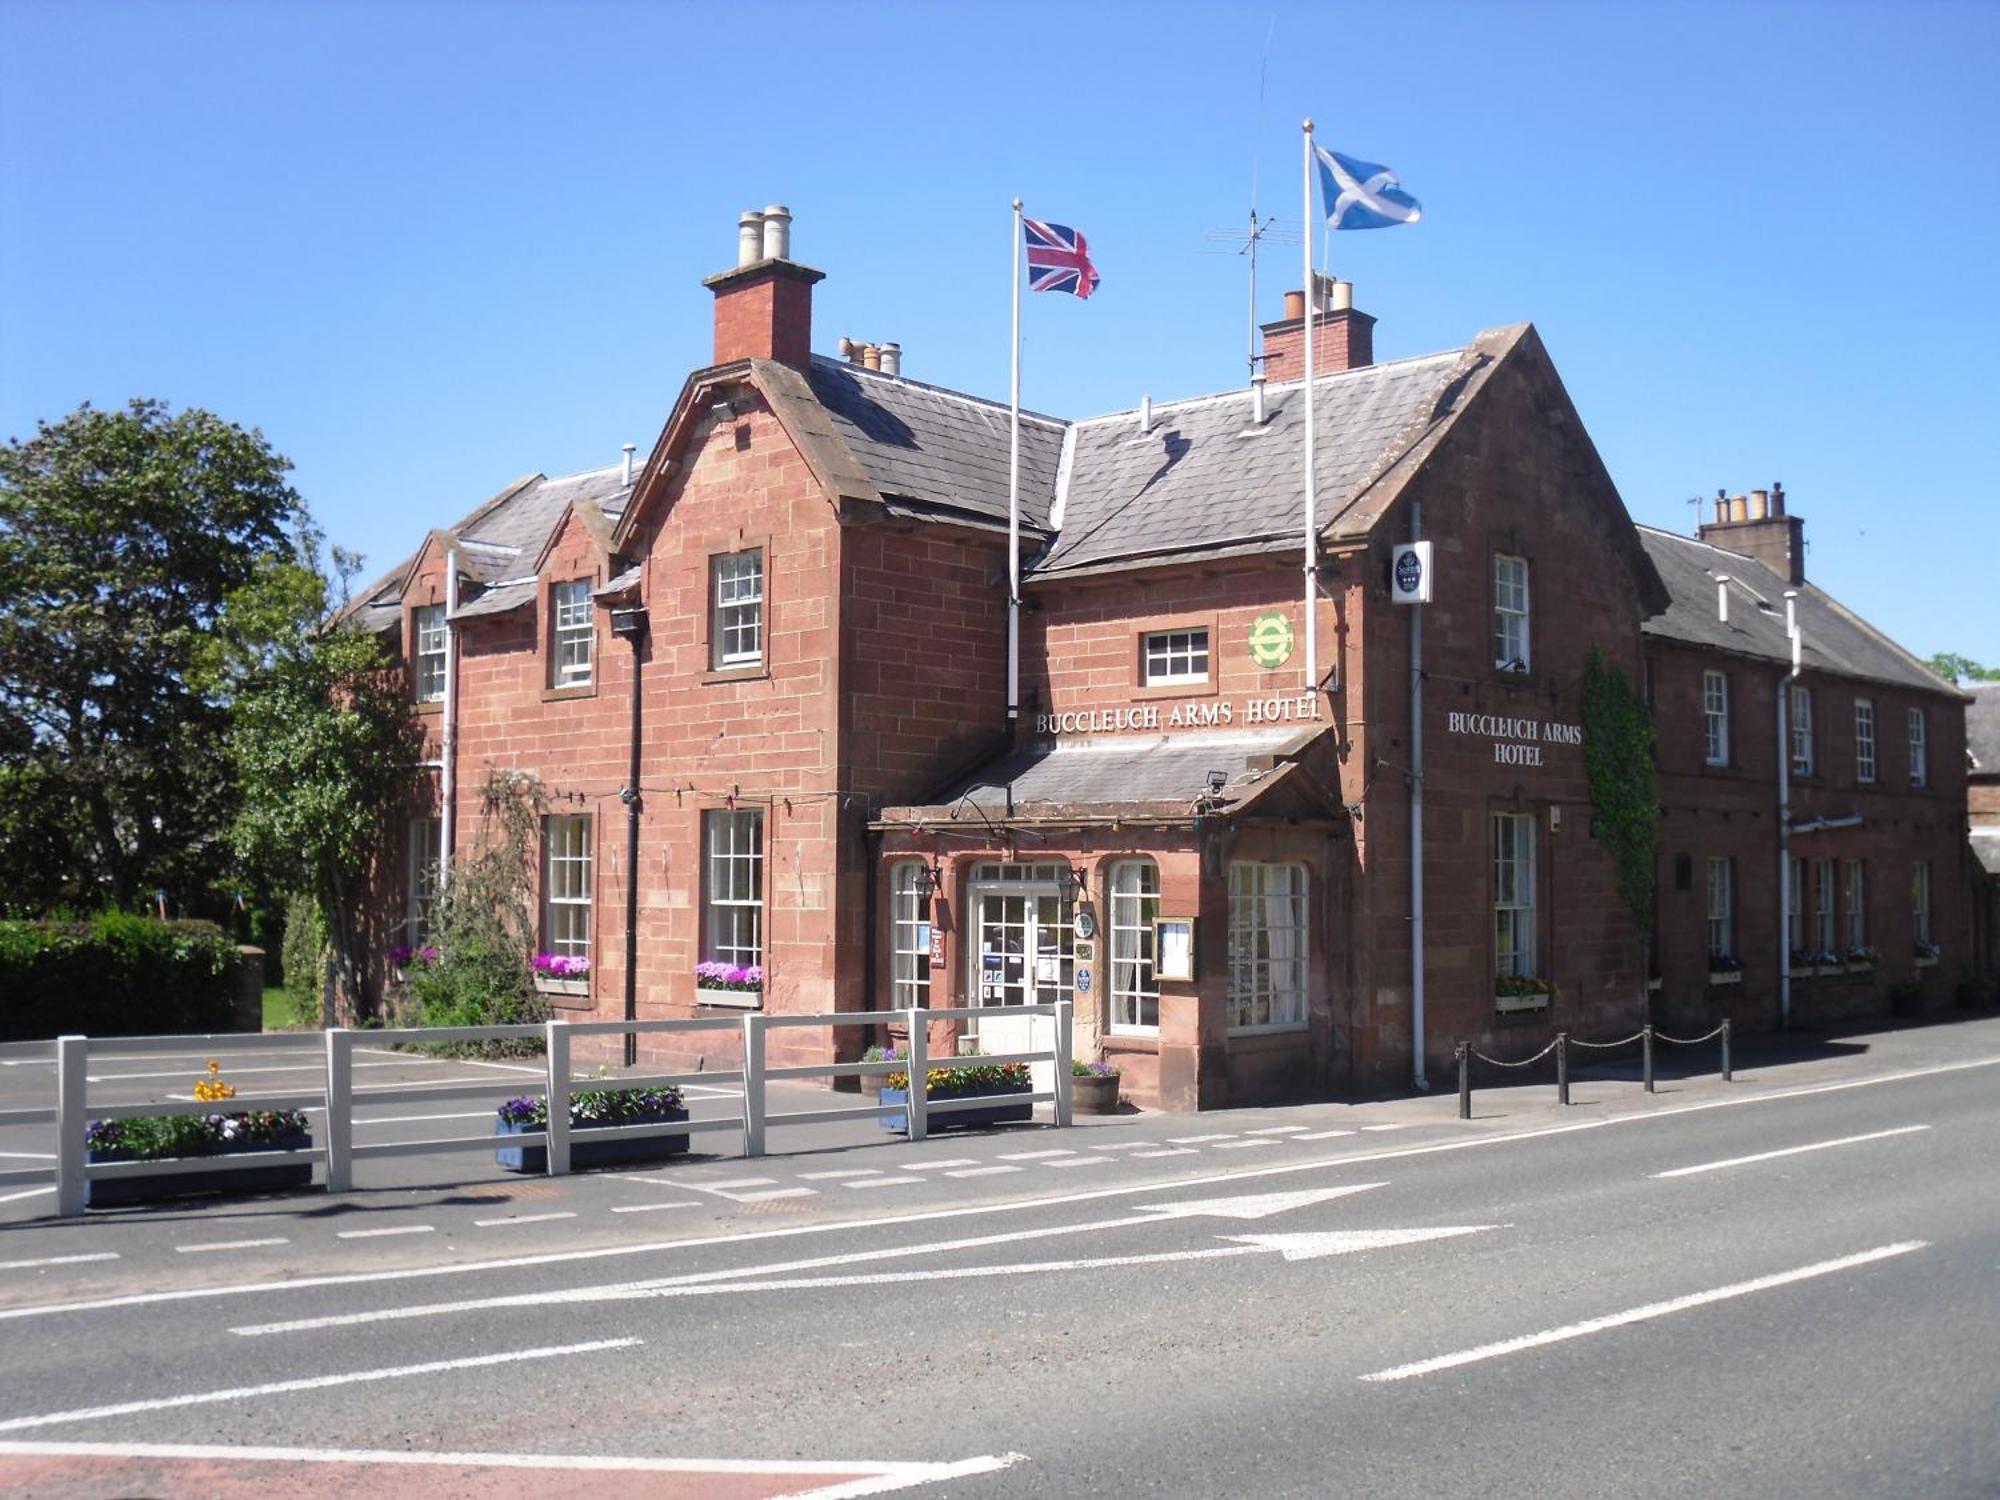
[1757,524]
[630,449]
[1343,339]
[763,304]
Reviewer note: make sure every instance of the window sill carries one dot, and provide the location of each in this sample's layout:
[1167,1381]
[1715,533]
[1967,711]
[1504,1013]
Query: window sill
[1927,963]
[430,705]
[562,986]
[1278,1030]
[732,999]
[558,694]
[737,674]
[1153,692]
[1514,1004]
[1143,1038]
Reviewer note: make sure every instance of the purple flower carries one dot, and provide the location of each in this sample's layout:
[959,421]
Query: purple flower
[400,955]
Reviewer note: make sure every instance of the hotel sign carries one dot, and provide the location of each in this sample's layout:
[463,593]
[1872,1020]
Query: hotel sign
[1516,741]
[1159,718]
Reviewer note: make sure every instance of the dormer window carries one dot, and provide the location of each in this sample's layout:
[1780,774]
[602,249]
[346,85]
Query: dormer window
[427,653]
[574,634]
[1510,613]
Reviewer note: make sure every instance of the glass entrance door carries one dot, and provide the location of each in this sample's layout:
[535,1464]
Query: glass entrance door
[1024,953]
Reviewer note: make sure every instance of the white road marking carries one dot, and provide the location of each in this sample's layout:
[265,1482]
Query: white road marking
[1642,1314]
[27,1193]
[1245,1145]
[229,1245]
[1744,1161]
[652,1208]
[1321,1135]
[1081,1161]
[616,1291]
[836,1176]
[875,1182]
[1277,1130]
[31,1155]
[871,1473]
[982,1171]
[314,1383]
[935,1166]
[1118,1146]
[1167,1151]
[1033,1155]
[729,1186]
[376,1234]
[972,1210]
[416,1059]
[765,1195]
[521,1219]
[475,1114]
[56,1260]
[1382,1127]
[1261,1206]
[1200,1140]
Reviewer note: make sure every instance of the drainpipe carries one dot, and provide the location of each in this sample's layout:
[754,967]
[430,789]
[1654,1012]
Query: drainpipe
[448,752]
[1417,1077]
[631,624]
[1785,815]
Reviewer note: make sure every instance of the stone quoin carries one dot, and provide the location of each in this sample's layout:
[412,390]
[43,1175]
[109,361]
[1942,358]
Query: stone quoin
[791,617]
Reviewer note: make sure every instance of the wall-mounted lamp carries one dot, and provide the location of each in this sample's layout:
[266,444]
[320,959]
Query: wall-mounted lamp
[928,882]
[1074,885]
[1217,780]
[723,410]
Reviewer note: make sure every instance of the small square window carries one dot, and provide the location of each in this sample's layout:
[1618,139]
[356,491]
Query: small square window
[736,623]
[1175,657]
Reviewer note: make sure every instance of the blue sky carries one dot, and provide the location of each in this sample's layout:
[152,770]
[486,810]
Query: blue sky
[429,247]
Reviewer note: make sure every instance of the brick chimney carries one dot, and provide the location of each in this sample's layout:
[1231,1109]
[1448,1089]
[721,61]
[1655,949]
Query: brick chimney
[1756,525]
[763,304]
[1343,339]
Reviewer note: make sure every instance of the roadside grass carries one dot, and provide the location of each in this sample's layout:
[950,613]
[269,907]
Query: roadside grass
[278,1012]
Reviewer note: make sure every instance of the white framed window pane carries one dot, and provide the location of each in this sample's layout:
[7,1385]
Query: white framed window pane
[737,626]
[1715,709]
[1721,907]
[1510,612]
[909,940]
[1176,656]
[566,885]
[575,633]
[1919,749]
[733,844]
[1802,731]
[1864,740]
[1513,893]
[1920,900]
[1267,946]
[1135,907]
[1857,905]
[426,866]
[429,634]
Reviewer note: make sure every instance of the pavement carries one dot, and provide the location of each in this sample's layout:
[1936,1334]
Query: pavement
[1782,1284]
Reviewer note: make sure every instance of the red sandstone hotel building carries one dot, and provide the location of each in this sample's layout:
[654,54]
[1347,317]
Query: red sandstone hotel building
[761,681]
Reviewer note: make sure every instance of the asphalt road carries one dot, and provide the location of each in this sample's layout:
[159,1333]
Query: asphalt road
[1788,1285]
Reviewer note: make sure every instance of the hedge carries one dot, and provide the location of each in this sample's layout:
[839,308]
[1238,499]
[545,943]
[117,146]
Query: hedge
[114,975]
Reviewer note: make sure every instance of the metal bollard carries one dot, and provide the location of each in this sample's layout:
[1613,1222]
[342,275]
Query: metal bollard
[1562,1067]
[1646,1055]
[1464,1081]
[339,1110]
[72,1123]
[555,1149]
[753,1085]
[1727,1075]
[916,1104]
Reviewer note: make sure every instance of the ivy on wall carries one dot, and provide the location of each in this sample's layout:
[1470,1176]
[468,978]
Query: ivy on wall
[1624,792]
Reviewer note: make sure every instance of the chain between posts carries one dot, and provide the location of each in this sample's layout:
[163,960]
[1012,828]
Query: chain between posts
[1465,1052]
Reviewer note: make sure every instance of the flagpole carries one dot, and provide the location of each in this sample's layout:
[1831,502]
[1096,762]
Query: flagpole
[1014,492]
[1312,519]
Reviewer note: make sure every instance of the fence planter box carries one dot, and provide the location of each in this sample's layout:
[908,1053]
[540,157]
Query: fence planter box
[584,1152]
[1093,1096]
[898,1120]
[115,1192]
[1724,976]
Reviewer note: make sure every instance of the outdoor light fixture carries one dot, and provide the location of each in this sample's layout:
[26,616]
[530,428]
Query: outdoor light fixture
[1217,780]
[723,410]
[1073,883]
[928,881]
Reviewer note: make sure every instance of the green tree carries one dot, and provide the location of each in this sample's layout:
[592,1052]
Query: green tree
[1955,668]
[1624,786]
[123,534]
[324,746]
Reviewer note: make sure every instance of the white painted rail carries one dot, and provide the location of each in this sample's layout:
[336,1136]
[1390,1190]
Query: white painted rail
[335,1100]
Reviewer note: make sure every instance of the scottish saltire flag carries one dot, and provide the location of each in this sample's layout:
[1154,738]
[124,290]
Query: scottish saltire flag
[1058,259]
[1361,195]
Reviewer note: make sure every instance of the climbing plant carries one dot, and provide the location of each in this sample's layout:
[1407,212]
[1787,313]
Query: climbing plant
[1624,793]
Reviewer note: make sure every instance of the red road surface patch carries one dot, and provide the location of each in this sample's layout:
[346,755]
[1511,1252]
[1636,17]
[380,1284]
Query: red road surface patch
[115,1471]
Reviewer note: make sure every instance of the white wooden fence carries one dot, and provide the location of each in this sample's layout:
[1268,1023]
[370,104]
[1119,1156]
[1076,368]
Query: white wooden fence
[72,1057]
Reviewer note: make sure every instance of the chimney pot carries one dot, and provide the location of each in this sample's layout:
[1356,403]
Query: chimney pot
[777,232]
[1257,412]
[630,449]
[749,238]
[1295,305]
[892,359]
[1339,296]
[1145,415]
[1739,508]
[1760,504]
[871,357]
[1777,498]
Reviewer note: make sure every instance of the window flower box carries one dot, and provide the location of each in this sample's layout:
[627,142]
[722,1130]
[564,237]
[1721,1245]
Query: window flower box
[562,974]
[591,1110]
[1926,953]
[994,1080]
[1724,968]
[1522,992]
[1860,960]
[740,986]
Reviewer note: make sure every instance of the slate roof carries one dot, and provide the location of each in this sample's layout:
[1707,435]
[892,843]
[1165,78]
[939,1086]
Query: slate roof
[1835,638]
[1206,476]
[1167,770]
[1982,729]
[936,447]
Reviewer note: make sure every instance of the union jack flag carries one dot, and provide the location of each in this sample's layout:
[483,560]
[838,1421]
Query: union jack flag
[1058,259]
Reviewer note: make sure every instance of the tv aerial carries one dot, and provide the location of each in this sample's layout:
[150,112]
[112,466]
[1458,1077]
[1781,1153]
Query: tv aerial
[1244,242]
